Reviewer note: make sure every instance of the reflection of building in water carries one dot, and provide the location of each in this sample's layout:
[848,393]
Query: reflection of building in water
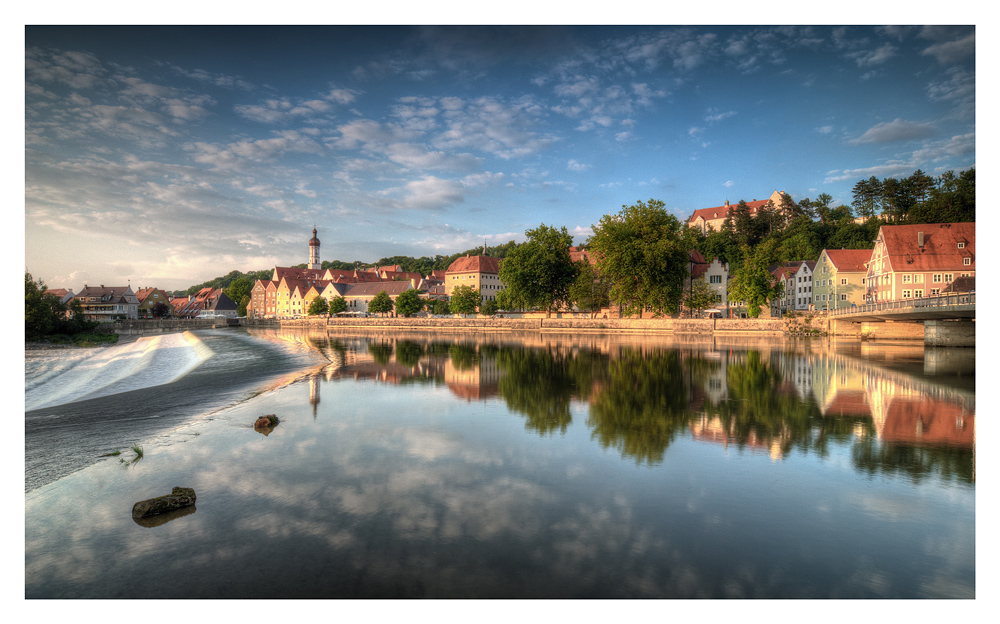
[903,410]
[798,369]
[712,429]
[476,381]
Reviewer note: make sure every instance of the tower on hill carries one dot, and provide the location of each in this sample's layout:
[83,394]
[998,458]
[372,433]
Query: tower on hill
[314,262]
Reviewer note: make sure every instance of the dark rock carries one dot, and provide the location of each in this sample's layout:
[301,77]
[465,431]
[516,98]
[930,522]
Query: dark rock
[265,424]
[177,499]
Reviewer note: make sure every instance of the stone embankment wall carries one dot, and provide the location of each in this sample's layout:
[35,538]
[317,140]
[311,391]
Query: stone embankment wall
[474,324]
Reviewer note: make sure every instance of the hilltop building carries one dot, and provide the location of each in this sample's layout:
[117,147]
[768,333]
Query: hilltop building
[705,218]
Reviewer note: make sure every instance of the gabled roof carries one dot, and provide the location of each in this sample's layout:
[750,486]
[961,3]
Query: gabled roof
[475,264]
[850,260]
[940,249]
[370,289]
[296,273]
[720,212]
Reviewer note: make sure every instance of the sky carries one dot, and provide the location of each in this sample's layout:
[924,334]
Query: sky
[167,156]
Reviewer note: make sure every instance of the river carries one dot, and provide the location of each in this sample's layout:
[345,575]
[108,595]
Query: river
[504,466]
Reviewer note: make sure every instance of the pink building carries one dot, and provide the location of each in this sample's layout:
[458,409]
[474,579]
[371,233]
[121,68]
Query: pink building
[914,261]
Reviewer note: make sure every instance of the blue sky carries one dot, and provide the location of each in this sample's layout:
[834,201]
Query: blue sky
[167,156]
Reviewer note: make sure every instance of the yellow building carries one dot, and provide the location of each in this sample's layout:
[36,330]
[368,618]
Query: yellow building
[479,272]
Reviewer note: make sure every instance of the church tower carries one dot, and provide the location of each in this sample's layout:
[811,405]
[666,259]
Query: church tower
[314,252]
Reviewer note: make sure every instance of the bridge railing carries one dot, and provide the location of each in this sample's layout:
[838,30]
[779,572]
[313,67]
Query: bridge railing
[924,302]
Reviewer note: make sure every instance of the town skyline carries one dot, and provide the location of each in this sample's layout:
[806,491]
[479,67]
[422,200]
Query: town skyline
[153,153]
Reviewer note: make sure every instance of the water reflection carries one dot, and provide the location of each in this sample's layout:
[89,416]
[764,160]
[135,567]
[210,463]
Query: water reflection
[541,466]
[903,414]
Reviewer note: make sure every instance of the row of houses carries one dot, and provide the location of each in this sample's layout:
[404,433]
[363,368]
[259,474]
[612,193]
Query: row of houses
[907,262]
[105,304]
[291,290]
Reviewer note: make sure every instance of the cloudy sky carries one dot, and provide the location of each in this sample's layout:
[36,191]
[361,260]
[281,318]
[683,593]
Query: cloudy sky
[167,156]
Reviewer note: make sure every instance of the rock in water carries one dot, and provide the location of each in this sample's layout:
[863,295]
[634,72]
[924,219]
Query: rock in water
[265,424]
[178,498]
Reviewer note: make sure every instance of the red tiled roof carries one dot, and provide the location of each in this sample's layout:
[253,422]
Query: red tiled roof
[940,250]
[720,212]
[475,264]
[849,259]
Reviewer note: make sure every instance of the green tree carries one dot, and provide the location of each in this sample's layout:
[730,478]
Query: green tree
[700,297]
[539,272]
[752,282]
[441,307]
[409,302]
[488,307]
[589,291]
[464,300]
[380,303]
[318,307]
[641,252]
[160,310]
[42,313]
[337,304]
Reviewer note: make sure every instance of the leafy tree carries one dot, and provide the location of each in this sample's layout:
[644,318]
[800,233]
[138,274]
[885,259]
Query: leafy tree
[464,300]
[589,291]
[161,310]
[380,303]
[42,313]
[238,289]
[752,282]
[409,302]
[640,250]
[318,307]
[337,304]
[538,273]
[441,307]
[700,297]
[867,197]
[488,307]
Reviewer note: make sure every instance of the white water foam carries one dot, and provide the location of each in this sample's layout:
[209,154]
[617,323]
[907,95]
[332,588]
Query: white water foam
[92,373]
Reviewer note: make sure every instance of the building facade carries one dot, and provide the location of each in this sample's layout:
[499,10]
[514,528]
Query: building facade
[707,219]
[108,303]
[479,272]
[839,279]
[915,261]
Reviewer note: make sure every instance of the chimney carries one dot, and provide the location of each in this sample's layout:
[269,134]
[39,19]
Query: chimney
[920,240]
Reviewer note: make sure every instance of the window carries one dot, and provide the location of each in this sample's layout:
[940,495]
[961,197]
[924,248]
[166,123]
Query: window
[917,294]
[966,261]
[935,292]
[948,277]
[918,278]
[906,279]
[714,279]
[843,281]
[937,278]
[906,293]
[843,296]
[961,245]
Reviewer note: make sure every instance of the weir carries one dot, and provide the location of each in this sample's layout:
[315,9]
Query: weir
[101,372]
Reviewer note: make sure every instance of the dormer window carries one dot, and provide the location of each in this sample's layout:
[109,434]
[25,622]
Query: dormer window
[961,245]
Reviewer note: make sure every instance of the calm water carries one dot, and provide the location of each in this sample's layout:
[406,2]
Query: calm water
[450,465]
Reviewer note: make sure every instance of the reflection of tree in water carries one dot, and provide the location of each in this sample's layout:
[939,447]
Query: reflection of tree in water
[918,462]
[540,384]
[408,353]
[643,404]
[464,356]
[380,351]
[759,409]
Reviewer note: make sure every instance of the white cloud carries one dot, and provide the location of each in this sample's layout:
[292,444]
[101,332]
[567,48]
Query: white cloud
[894,131]
[573,165]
